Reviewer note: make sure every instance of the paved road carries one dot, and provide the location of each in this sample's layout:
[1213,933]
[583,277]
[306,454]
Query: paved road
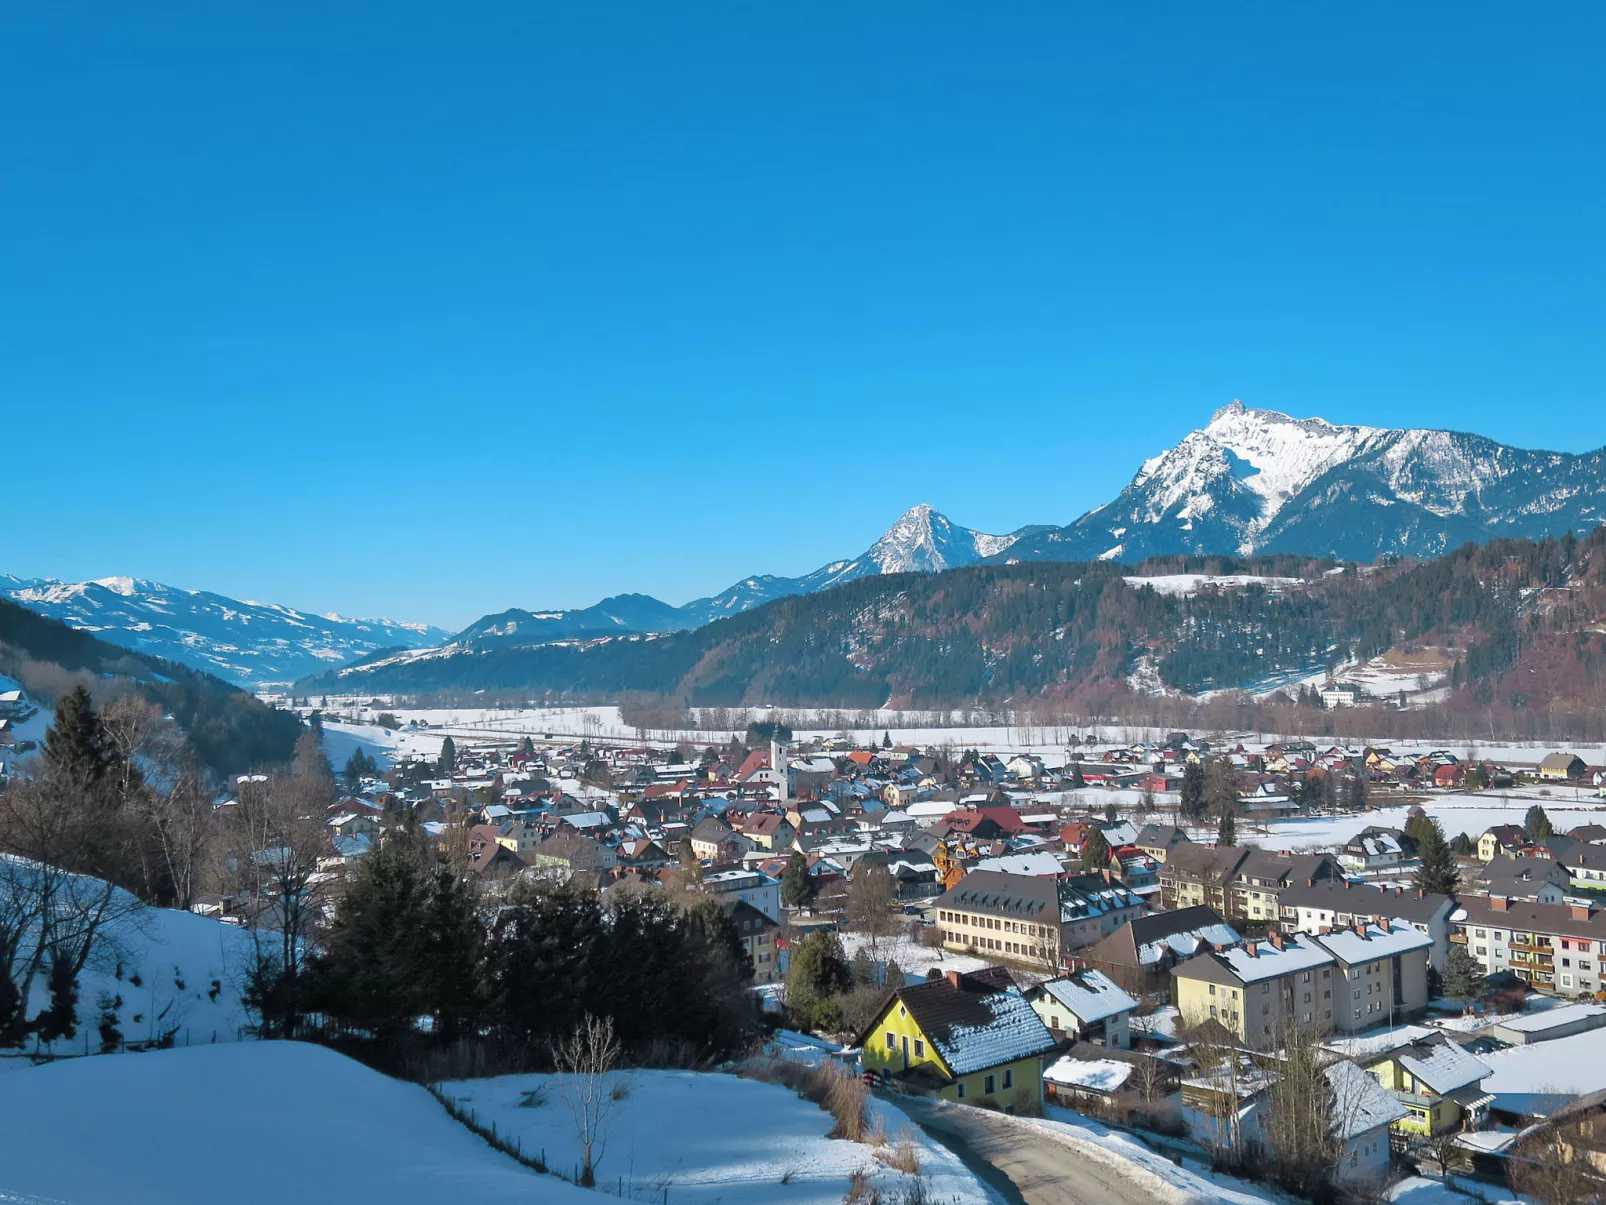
[1031,1169]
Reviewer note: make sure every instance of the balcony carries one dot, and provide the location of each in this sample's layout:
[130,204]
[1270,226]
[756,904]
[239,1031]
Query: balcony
[1532,947]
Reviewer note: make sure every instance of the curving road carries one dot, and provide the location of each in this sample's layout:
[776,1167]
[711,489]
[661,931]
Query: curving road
[1028,1169]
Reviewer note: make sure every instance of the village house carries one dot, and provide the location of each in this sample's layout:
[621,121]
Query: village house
[1563,767]
[575,853]
[1439,1084]
[1085,1006]
[965,1037]
[751,886]
[1503,840]
[1158,840]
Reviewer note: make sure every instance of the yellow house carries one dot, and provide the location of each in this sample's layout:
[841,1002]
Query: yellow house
[1437,1082]
[965,1037]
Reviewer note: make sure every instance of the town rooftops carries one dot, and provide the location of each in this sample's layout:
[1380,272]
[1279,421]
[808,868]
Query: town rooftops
[1360,1103]
[1343,898]
[1182,933]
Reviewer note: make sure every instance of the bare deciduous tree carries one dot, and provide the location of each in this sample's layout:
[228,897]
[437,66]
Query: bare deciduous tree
[587,1058]
[871,893]
[267,862]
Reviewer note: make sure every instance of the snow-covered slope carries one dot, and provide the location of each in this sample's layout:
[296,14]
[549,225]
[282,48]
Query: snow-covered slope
[252,1124]
[247,643]
[1259,481]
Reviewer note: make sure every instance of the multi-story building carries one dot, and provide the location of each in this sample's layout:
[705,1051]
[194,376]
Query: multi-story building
[1034,920]
[753,886]
[757,932]
[1253,991]
[1340,904]
[1556,947]
[1241,883]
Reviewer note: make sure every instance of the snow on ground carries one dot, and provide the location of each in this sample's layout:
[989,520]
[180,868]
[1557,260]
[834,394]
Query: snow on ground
[913,959]
[253,1123]
[1420,1190]
[1469,814]
[175,972]
[711,1138]
[1562,1065]
[1143,1167]
[1191,583]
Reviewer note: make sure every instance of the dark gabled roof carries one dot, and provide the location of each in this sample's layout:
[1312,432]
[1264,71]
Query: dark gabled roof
[1363,899]
[1204,861]
[1025,896]
[982,1022]
[1146,929]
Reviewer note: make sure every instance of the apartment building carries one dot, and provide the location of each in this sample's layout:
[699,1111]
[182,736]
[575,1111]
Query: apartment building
[1556,947]
[1031,919]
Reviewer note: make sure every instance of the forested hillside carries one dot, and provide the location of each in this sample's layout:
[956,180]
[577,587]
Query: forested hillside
[1043,629]
[230,730]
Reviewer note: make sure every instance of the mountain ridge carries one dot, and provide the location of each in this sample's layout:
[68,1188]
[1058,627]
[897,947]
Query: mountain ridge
[246,643]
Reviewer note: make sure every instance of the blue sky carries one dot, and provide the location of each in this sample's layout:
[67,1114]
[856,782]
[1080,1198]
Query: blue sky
[432,310]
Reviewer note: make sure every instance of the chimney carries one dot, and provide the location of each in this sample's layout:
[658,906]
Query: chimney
[1579,911]
[955,980]
[1497,902]
[1421,893]
[1253,949]
[1276,939]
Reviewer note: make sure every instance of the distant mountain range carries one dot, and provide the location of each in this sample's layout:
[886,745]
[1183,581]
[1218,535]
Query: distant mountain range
[246,643]
[1250,482]
[921,541]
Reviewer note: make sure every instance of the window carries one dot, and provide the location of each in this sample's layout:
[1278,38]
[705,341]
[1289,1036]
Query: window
[1009,1077]
[989,1085]
[892,1040]
[1265,989]
[920,1049]
[1212,989]
[959,1091]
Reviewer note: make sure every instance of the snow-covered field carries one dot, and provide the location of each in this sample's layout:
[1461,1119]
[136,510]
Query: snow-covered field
[255,1123]
[922,728]
[1469,814]
[711,1139]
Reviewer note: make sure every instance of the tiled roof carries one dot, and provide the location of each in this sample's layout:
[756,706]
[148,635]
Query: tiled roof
[1442,1065]
[1299,953]
[1374,942]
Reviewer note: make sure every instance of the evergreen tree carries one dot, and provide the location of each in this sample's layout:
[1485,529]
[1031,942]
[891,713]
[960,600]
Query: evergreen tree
[76,745]
[372,968]
[1438,872]
[1461,845]
[1192,803]
[863,968]
[886,740]
[1537,825]
[894,978]
[1463,977]
[1110,814]
[1095,849]
[1227,831]
[452,941]
[527,747]
[798,889]
[448,762]
[1356,796]
[1077,781]
[816,976]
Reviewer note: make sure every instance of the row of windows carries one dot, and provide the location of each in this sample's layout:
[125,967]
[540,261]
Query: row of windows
[992,922]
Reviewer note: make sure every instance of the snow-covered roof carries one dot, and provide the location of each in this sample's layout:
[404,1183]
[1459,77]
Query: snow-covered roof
[1097,1075]
[1187,944]
[1299,953]
[1360,1103]
[1040,863]
[1089,996]
[1552,1018]
[1374,942]
[1366,1045]
[973,1028]
[1443,1066]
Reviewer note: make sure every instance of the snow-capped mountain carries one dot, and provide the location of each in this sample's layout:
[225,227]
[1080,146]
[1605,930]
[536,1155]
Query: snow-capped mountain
[243,642]
[921,541]
[1259,481]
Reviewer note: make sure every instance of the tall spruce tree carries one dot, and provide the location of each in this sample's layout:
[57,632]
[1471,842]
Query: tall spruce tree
[1095,849]
[1192,803]
[798,889]
[1438,871]
[1227,830]
[448,761]
[1463,977]
[76,746]
[1537,825]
